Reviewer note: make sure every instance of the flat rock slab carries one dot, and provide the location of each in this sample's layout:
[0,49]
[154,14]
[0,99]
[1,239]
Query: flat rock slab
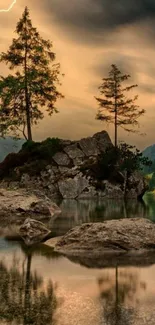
[17,204]
[109,237]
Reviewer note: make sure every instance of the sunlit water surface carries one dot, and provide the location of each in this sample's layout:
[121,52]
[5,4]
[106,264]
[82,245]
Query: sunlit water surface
[40,287]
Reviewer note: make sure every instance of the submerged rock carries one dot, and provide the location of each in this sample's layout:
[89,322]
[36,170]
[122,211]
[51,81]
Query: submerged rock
[109,238]
[33,231]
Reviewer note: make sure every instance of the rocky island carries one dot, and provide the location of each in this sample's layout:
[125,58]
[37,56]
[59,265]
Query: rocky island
[69,170]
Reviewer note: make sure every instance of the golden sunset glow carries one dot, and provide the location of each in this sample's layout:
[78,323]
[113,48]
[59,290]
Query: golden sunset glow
[87,38]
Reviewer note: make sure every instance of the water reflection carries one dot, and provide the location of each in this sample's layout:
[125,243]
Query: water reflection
[76,212]
[149,200]
[38,287]
[23,297]
[118,295]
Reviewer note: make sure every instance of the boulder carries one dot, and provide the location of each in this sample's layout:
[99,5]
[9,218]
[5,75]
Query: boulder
[68,172]
[137,186]
[61,159]
[73,151]
[110,237]
[33,232]
[89,146]
[103,140]
[111,191]
[71,188]
[16,205]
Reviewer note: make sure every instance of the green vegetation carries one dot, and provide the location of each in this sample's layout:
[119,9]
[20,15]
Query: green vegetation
[152,182]
[33,85]
[115,107]
[114,160]
[31,159]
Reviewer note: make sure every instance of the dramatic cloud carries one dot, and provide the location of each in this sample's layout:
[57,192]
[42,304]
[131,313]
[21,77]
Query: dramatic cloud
[95,18]
[88,36]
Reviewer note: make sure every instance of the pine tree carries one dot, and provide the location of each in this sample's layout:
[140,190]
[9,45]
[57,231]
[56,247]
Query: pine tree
[114,106]
[33,86]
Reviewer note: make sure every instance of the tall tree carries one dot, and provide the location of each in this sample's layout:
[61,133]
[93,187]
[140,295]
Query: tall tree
[114,106]
[34,83]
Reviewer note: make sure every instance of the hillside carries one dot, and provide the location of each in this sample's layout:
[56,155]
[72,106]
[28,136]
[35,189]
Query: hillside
[9,145]
[150,152]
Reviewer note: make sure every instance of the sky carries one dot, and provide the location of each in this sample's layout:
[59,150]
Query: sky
[88,36]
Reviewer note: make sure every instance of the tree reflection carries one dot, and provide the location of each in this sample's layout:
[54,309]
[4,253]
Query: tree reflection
[24,298]
[118,295]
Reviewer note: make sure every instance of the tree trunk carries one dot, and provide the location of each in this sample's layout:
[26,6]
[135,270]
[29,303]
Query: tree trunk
[125,183]
[28,118]
[27,104]
[115,104]
[115,127]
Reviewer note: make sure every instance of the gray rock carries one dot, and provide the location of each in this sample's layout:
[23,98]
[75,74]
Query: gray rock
[111,190]
[109,237]
[137,186]
[25,179]
[69,172]
[103,140]
[78,161]
[71,188]
[89,146]
[73,151]
[43,208]
[63,176]
[61,159]
[33,231]
[88,193]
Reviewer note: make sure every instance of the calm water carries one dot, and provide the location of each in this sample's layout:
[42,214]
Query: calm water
[40,287]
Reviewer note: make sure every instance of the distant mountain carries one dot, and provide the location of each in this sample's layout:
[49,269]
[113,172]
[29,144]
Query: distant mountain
[150,152]
[9,145]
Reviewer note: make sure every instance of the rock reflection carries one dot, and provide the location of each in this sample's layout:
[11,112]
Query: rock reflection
[118,296]
[76,212]
[24,297]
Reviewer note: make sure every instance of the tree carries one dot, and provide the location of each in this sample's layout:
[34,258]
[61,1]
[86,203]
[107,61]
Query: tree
[124,159]
[115,107]
[34,83]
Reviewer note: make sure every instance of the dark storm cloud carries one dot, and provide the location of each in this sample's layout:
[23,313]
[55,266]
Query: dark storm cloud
[124,62]
[91,16]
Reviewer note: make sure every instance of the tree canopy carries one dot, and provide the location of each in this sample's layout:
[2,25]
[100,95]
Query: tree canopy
[114,106]
[34,84]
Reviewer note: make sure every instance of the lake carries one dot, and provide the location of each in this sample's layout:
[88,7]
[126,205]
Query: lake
[38,286]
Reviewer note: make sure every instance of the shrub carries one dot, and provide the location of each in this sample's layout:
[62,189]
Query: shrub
[32,158]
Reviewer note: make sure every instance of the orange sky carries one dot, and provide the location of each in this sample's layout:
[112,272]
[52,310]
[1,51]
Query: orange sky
[88,37]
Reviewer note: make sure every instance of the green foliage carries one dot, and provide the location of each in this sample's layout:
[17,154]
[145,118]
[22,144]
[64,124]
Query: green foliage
[114,161]
[152,183]
[123,158]
[114,106]
[29,145]
[31,159]
[33,85]
[43,150]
